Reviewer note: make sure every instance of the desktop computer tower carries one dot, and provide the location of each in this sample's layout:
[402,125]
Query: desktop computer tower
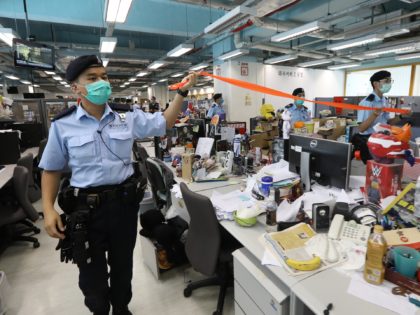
[10,152]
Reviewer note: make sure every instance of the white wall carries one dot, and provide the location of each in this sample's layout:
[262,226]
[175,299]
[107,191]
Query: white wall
[358,83]
[317,83]
[416,86]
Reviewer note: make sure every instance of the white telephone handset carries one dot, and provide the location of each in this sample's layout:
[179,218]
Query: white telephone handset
[228,162]
[341,229]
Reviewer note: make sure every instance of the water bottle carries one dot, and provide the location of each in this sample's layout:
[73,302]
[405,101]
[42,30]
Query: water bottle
[417,203]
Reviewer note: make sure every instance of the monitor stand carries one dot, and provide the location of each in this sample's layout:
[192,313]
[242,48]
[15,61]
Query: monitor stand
[305,174]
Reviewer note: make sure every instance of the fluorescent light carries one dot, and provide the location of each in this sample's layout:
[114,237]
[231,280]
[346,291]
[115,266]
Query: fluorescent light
[132,79]
[107,44]
[30,89]
[180,50]
[63,82]
[57,78]
[1,85]
[50,72]
[105,61]
[356,42]
[284,58]
[344,66]
[142,73]
[156,64]
[11,77]
[177,75]
[122,86]
[126,83]
[397,32]
[314,63]
[389,50]
[145,86]
[163,80]
[234,53]
[199,66]
[117,10]
[299,31]
[154,83]
[229,19]
[407,57]
[67,85]
[7,35]
[25,81]
[35,85]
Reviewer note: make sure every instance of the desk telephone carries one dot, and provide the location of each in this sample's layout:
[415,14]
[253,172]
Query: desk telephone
[349,230]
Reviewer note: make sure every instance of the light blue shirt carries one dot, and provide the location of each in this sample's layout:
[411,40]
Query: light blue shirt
[362,115]
[298,114]
[215,109]
[75,141]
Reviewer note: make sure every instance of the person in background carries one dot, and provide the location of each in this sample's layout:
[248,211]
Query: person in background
[297,111]
[381,82]
[102,201]
[5,107]
[153,105]
[216,107]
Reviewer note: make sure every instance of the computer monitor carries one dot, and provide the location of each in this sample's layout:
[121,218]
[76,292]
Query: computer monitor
[10,152]
[32,133]
[198,126]
[326,162]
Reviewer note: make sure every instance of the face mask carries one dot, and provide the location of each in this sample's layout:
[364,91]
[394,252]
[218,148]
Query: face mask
[299,102]
[98,92]
[386,87]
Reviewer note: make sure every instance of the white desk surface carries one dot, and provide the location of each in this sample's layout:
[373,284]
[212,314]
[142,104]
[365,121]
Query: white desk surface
[7,172]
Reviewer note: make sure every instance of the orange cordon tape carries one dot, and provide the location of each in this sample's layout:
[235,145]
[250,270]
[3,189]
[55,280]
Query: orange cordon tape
[265,90]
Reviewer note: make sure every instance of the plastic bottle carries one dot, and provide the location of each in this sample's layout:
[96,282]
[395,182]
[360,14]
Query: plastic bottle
[376,250]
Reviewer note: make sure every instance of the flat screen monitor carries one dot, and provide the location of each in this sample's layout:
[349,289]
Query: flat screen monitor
[326,162]
[199,127]
[34,95]
[33,55]
[12,90]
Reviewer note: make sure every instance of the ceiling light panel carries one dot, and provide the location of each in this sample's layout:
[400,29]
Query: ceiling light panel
[142,73]
[390,50]
[117,10]
[156,65]
[234,54]
[315,63]
[200,66]
[408,57]
[11,77]
[177,75]
[284,58]
[299,31]
[107,44]
[105,61]
[229,19]
[7,35]
[344,66]
[374,38]
[180,50]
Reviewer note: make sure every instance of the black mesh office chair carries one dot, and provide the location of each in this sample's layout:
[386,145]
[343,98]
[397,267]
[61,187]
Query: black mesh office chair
[37,170]
[160,183]
[34,192]
[13,216]
[209,246]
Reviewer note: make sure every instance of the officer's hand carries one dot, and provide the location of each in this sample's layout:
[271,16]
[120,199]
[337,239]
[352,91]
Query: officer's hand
[377,112]
[191,80]
[53,224]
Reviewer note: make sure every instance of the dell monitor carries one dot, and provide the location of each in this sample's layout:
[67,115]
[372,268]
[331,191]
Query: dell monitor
[326,162]
[33,55]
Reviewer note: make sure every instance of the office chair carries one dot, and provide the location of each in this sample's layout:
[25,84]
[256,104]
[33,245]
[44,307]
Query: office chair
[208,247]
[12,216]
[37,170]
[34,192]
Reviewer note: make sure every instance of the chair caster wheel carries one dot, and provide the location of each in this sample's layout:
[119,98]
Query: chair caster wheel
[187,292]
[37,231]
[36,245]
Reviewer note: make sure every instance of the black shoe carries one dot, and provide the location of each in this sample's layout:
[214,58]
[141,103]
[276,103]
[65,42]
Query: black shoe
[121,311]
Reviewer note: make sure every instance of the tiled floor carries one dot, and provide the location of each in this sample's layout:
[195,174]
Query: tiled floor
[41,285]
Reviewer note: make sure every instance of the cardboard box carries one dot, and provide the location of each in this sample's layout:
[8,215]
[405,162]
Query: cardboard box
[403,237]
[187,162]
[382,180]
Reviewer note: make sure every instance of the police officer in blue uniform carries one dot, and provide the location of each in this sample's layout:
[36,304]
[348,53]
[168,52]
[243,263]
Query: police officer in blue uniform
[95,143]
[381,82]
[297,110]
[216,107]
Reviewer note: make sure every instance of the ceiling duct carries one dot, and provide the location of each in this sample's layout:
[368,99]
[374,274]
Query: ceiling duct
[229,19]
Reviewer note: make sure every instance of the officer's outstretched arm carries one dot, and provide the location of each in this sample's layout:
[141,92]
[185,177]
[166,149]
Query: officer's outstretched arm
[52,221]
[171,114]
[365,125]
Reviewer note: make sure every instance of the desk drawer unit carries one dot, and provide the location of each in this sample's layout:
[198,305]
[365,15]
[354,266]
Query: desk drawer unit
[256,289]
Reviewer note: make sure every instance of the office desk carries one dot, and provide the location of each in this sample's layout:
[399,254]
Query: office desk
[7,172]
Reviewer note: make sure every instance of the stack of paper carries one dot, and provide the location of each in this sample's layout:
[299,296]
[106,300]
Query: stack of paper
[279,171]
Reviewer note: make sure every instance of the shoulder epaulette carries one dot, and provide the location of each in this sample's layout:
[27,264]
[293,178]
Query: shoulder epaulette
[371,97]
[289,106]
[306,108]
[121,107]
[64,113]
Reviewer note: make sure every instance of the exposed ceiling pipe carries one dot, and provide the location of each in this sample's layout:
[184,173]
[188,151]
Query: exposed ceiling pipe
[212,4]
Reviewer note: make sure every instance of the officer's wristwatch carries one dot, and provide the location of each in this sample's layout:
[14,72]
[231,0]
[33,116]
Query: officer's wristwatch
[183,93]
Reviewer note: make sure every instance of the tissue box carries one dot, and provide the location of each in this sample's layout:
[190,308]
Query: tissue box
[382,180]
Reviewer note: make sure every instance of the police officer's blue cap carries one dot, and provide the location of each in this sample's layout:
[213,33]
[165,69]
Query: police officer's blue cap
[380,75]
[297,91]
[80,64]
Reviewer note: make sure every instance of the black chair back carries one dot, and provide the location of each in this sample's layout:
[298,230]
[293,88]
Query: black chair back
[28,161]
[42,145]
[20,184]
[203,241]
